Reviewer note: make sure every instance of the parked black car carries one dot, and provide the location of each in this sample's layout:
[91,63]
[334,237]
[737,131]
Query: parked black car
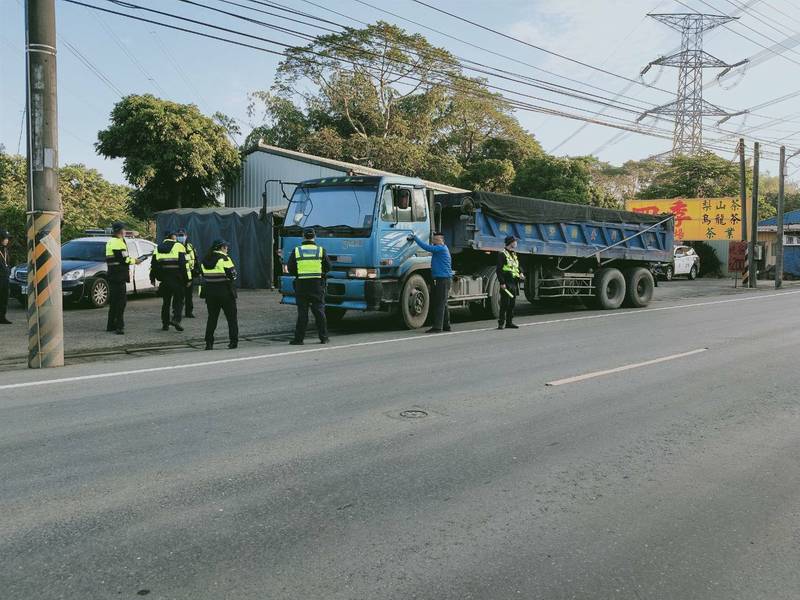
[83,271]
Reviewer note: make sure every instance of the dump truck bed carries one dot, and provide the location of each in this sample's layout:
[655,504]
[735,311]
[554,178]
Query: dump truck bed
[481,221]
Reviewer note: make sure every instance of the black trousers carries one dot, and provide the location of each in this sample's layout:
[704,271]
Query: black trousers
[188,300]
[172,294]
[3,298]
[117,299]
[507,304]
[441,313]
[226,304]
[314,301]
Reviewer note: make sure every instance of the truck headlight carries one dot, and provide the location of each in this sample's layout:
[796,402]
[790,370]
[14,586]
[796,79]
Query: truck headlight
[361,273]
[73,275]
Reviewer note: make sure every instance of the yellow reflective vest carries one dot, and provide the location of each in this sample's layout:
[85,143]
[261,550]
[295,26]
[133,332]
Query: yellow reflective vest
[309,261]
[170,262]
[512,264]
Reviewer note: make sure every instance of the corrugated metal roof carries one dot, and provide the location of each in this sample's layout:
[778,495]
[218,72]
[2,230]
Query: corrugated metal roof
[343,166]
[789,218]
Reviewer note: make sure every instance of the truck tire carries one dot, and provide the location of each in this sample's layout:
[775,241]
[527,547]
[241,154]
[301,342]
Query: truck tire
[639,286]
[493,293]
[334,315]
[609,288]
[530,293]
[415,302]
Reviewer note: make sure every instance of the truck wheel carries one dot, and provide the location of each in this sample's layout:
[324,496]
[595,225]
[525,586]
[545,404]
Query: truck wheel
[639,287]
[609,288]
[493,290]
[530,294]
[334,315]
[98,293]
[477,310]
[415,302]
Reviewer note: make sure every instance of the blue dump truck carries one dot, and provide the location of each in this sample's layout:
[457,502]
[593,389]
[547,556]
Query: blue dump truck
[603,257]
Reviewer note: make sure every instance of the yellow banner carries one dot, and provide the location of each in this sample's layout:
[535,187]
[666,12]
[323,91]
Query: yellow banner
[697,219]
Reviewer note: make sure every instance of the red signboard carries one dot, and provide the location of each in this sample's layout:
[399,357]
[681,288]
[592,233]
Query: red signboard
[737,254]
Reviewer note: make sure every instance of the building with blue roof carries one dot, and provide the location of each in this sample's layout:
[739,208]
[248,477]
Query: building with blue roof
[768,239]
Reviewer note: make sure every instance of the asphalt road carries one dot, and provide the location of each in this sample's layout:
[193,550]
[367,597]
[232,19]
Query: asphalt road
[289,473]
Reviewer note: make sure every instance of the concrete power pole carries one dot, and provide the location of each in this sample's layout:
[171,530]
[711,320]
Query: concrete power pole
[45,317]
[779,221]
[689,107]
[753,242]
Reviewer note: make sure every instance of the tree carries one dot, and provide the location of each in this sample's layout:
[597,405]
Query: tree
[554,178]
[490,174]
[173,154]
[88,200]
[705,175]
[389,99]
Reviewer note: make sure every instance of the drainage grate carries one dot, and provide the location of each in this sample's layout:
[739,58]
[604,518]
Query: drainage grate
[413,414]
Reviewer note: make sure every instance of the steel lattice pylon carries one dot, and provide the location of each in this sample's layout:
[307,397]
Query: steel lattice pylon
[689,106]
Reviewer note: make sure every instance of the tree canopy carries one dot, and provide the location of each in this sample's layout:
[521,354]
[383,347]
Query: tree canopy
[388,99]
[173,154]
[88,200]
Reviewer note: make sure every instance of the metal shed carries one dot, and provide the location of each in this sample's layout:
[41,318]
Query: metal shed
[264,162]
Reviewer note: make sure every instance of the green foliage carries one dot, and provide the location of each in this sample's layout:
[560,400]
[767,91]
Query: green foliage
[490,174]
[710,264]
[443,126]
[703,176]
[173,154]
[87,199]
[554,178]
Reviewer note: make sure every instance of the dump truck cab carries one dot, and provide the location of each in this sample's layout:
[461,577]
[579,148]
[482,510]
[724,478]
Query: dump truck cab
[362,223]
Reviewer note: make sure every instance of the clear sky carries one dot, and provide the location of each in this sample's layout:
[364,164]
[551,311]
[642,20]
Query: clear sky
[132,57]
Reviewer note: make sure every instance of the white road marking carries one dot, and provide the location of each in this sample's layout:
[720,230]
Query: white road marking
[646,363]
[417,338]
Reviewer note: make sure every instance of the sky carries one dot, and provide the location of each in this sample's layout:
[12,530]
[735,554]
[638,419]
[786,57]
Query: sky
[102,57]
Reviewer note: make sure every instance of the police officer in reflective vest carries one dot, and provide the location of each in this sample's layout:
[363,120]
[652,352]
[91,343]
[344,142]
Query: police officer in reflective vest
[509,275]
[309,264]
[169,266]
[194,272]
[219,291]
[118,264]
[5,273]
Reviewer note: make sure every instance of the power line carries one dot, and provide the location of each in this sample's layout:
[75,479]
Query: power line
[616,123]
[540,48]
[573,94]
[91,66]
[122,46]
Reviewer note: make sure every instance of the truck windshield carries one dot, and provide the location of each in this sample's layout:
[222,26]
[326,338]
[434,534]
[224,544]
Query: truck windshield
[348,207]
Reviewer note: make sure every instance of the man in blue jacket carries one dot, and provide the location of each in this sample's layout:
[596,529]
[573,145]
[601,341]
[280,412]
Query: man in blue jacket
[442,272]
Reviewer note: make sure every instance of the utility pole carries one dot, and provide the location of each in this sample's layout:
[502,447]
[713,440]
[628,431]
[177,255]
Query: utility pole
[45,317]
[689,108]
[751,247]
[779,221]
[743,187]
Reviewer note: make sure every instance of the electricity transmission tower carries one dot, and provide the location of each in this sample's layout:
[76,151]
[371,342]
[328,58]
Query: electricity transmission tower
[689,106]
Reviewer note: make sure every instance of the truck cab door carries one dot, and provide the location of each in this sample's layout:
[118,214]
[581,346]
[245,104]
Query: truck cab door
[403,211]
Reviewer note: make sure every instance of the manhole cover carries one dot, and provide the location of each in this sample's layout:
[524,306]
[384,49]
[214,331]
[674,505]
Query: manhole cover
[413,414]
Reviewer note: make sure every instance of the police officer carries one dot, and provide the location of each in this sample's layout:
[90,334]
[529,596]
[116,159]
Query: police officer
[219,291]
[309,264]
[5,272]
[509,276]
[169,266]
[194,272]
[118,264]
